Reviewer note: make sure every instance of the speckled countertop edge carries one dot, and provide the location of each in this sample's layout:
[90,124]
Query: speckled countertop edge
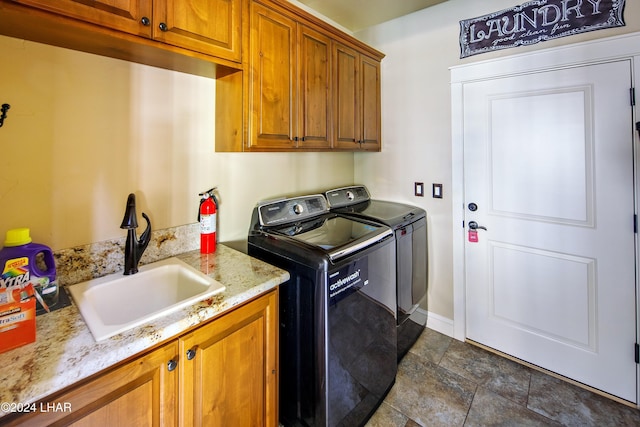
[65,352]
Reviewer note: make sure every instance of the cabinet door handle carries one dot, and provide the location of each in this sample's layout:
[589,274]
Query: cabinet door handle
[163,27]
[191,353]
[145,21]
[172,364]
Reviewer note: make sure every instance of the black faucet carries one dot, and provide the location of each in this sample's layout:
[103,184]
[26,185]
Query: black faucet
[134,248]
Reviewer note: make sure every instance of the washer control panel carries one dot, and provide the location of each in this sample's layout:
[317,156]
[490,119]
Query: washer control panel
[291,210]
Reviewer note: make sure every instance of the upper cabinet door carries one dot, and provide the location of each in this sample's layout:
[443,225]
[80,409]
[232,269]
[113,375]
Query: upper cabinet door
[347,97]
[370,103]
[131,16]
[211,27]
[357,111]
[314,106]
[272,80]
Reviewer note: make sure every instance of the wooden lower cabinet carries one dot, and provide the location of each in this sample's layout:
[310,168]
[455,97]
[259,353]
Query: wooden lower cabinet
[142,392]
[223,373]
[229,368]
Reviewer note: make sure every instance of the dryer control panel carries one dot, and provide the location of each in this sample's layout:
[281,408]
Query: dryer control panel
[347,196]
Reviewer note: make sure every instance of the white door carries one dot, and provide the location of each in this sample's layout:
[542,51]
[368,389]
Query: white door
[548,163]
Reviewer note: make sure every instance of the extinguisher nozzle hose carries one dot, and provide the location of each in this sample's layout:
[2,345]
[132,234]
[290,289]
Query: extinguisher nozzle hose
[209,192]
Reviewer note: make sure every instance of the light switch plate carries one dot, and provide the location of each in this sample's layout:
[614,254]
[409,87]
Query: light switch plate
[437,191]
[418,189]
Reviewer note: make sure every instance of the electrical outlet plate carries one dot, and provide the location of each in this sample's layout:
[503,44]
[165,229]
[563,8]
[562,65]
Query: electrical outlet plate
[418,188]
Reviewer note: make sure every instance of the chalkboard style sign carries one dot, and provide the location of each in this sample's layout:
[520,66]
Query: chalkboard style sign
[537,21]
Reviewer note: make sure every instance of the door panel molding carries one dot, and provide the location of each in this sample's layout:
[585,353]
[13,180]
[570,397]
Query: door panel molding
[505,197]
[520,306]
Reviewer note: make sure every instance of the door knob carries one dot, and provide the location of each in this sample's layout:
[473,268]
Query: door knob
[474,226]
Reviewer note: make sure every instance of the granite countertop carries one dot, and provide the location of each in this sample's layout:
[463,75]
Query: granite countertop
[65,352]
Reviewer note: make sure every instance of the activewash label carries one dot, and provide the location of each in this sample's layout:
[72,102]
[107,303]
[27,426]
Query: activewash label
[348,279]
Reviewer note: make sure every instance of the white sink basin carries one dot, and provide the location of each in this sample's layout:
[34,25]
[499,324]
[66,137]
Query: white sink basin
[116,303]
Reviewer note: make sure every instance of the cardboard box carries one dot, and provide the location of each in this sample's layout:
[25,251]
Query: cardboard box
[17,317]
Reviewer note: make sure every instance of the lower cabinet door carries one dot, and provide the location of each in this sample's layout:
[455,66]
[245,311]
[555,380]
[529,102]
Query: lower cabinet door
[230,368]
[139,393]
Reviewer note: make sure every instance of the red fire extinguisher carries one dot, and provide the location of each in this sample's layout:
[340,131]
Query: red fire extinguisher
[207,218]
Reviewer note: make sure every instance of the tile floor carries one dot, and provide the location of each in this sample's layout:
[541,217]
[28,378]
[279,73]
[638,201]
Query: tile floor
[444,382]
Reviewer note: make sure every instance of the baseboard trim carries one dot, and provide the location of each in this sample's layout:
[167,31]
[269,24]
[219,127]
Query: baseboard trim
[439,323]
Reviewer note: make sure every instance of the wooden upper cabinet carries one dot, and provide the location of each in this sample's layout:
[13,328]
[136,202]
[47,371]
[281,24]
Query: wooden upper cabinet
[272,80]
[207,26]
[212,27]
[357,111]
[314,82]
[346,100]
[123,15]
[290,83]
[370,104]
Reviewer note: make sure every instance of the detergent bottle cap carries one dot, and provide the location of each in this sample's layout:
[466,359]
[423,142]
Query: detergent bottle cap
[17,237]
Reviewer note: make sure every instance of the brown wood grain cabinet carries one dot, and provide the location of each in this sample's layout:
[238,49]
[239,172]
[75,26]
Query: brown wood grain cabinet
[290,83]
[297,97]
[127,16]
[273,90]
[142,392]
[211,27]
[315,89]
[222,373]
[357,100]
[229,368]
[285,79]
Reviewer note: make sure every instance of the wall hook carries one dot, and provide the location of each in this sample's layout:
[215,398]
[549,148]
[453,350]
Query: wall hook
[3,113]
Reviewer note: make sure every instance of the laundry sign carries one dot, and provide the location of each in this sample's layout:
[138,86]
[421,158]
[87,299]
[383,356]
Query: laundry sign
[536,21]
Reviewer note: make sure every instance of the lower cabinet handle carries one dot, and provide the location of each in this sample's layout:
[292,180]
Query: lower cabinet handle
[191,353]
[172,364]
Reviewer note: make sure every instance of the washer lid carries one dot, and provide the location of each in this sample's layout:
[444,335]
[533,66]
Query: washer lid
[336,235]
[390,213]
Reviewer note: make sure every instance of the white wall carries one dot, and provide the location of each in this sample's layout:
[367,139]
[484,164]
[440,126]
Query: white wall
[84,131]
[416,124]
